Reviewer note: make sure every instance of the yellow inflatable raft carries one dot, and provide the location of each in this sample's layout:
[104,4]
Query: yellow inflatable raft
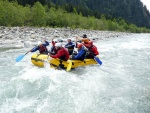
[39,59]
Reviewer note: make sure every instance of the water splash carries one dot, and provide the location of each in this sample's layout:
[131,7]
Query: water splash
[120,85]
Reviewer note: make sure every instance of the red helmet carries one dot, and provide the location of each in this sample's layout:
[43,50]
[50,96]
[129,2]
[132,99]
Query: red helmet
[79,46]
[90,43]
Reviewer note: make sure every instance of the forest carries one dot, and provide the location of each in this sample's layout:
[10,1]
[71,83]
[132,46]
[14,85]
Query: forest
[51,13]
[132,11]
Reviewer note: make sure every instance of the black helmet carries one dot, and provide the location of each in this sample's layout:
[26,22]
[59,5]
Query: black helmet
[84,36]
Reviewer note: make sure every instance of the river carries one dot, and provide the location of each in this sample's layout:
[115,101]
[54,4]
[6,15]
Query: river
[120,85]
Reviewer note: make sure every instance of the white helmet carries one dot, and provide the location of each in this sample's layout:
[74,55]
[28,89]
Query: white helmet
[68,38]
[58,45]
[39,42]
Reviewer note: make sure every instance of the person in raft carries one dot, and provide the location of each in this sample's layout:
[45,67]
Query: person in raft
[84,38]
[62,53]
[53,50]
[81,52]
[70,46]
[41,47]
[92,50]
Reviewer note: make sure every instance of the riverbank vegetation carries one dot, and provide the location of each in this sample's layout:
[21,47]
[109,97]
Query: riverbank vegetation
[13,14]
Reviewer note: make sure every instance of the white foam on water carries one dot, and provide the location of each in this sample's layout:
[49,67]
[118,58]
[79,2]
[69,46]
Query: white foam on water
[120,85]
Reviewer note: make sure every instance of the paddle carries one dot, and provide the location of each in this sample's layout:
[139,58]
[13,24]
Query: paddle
[69,65]
[69,61]
[20,57]
[97,60]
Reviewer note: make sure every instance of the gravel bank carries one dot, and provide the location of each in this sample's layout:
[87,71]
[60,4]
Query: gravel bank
[18,37]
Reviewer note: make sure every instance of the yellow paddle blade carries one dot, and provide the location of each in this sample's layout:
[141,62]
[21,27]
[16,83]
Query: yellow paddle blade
[69,65]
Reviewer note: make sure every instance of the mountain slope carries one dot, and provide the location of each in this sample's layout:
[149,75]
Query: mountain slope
[132,11]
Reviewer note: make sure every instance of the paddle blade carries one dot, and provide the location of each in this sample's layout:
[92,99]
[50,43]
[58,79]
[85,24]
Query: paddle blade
[69,66]
[19,58]
[98,60]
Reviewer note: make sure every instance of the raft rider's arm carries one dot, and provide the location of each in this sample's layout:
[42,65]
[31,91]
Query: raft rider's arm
[34,49]
[78,38]
[46,43]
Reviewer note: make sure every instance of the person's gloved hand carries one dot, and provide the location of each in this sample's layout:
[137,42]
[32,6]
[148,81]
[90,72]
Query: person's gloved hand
[72,57]
[74,53]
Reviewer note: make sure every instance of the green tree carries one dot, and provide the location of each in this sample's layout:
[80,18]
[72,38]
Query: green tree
[2,13]
[52,17]
[38,15]
[75,11]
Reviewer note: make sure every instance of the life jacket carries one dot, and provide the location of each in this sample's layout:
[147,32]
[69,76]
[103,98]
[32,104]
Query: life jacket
[43,50]
[66,55]
[90,48]
[93,52]
[70,48]
[85,40]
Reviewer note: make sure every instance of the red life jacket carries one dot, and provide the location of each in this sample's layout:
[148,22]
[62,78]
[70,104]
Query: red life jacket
[62,54]
[66,54]
[93,49]
[42,49]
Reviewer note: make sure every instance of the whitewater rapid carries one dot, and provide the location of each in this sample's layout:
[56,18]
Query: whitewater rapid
[120,85]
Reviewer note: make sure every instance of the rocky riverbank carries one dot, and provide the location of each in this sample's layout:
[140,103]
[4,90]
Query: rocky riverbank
[18,37]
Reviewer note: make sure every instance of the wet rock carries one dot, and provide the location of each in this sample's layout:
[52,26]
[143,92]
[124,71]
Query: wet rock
[28,36]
